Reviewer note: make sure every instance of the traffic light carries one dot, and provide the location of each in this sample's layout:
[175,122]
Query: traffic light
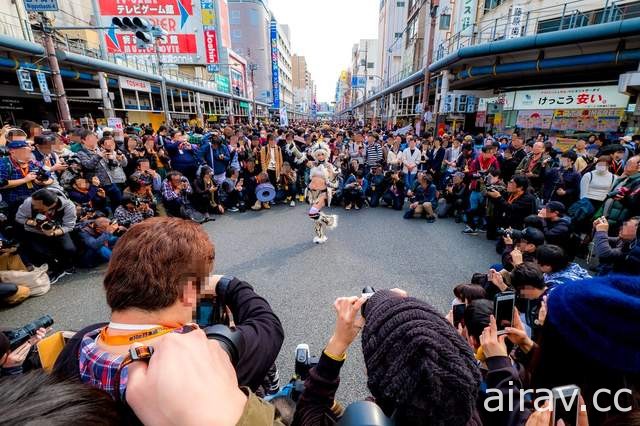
[145,32]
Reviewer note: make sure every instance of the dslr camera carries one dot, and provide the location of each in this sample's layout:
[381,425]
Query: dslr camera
[20,335]
[44,223]
[42,175]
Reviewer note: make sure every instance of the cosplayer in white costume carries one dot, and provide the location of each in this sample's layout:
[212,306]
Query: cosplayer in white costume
[323,181]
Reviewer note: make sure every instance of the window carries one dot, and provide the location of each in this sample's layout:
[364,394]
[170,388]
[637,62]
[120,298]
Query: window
[234,17]
[445,22]
[398,35]
[400,4]
[370,64]
[491,4]
[254,19]
[236,34]
[411,31]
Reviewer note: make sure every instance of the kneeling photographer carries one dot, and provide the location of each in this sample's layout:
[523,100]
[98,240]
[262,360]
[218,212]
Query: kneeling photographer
[48,217]
[98,237]
[159,275]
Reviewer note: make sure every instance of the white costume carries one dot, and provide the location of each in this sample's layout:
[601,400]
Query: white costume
[323,181]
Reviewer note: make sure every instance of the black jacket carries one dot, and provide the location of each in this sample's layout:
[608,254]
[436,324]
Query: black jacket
[261,331]
[513,214]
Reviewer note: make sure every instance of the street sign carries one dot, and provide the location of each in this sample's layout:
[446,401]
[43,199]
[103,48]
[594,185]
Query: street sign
[41,5]
[213,68]
[24,78]
[44,87]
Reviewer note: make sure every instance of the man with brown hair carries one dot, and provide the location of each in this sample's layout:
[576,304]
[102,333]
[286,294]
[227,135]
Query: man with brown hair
[158,272]
[271,159]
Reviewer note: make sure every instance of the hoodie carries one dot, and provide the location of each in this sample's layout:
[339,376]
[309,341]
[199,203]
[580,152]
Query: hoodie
[572,272]
[64,215]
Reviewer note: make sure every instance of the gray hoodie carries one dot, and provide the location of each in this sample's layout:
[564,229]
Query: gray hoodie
[65,215]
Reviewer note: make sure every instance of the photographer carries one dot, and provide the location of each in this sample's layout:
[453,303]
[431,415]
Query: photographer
[613,252]
[518,204]
[132,210]
[175,193]
[20,176]
[11,360]
[376,186]
[354,191]
[423,200]
[556,225]
[524,250]
[454,198]
[97,239]
[216,155]
[89,195]
[48,218]
[96,162]
[623,201]
[184,155]
[149,299]
[419,369]
[116,161]
[44,154]
[532,166]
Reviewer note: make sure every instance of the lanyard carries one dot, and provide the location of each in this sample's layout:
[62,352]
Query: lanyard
[138,335]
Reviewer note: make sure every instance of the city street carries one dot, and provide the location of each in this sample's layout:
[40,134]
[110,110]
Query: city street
[273,251]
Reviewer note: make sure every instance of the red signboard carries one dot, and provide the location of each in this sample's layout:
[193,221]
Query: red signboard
[211,46]
[145,7]
[172,44]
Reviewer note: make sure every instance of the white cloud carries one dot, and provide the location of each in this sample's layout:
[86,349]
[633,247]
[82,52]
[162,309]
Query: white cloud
[324,31]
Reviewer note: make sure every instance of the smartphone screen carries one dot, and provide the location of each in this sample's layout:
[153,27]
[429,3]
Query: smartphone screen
[458,314]
[504,304]
[566,405]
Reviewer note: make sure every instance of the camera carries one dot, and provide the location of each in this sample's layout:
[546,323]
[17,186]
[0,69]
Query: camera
[42,175]
[44,223]
[304,361]
[119,232]
[230,340]
[20,335]
[367,292]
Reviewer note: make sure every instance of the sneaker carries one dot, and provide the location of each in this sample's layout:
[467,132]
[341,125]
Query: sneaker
[357,208]
[54,277]
[482,229]
[469,231]
[266,205]
[292,203]
[301,198]
[233,209]
[431,219]
[347,207]
[257,206]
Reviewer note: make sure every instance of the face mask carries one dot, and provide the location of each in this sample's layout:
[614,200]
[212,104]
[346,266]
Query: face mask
[601,168]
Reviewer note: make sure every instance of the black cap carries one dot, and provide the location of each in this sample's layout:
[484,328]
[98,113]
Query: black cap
[531,235]
[556,206]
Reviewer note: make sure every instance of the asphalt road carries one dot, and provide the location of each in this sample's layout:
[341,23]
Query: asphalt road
[273,251]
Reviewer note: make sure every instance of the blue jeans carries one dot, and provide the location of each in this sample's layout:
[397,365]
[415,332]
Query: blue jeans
[409,180]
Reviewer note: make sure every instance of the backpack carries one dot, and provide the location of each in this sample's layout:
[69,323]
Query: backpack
[581,211]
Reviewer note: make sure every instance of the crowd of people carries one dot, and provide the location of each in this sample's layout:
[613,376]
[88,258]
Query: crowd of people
[83,198]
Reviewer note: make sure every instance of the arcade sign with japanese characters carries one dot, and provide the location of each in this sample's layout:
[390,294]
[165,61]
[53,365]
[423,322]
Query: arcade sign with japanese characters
[179,18]
[570,98]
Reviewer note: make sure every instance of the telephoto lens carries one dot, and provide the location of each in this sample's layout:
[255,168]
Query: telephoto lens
[20,335]
[230,340]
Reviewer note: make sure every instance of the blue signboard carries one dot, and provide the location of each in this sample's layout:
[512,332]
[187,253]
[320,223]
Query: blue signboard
[358,81]
[275,80]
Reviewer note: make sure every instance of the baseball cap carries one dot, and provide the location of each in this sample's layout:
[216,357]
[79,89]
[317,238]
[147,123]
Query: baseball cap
[531,235]
[17,144]
[555,206]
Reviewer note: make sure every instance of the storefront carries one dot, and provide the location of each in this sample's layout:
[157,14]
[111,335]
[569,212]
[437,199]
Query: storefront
[557,112]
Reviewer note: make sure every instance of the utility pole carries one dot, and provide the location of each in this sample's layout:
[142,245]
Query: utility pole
[433,12]
[58,86]
[163,84]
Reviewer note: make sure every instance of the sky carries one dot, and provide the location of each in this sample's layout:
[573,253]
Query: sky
[324,31]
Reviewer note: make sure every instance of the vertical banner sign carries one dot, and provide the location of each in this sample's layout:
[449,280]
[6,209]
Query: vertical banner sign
[208,19]
[467,14]
[284,119]
[44,87]
[179,18]
[275,78]
[24,78]
[515,22]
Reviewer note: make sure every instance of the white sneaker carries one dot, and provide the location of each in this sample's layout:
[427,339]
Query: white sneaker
[292,203]
[316,240]
[322,240]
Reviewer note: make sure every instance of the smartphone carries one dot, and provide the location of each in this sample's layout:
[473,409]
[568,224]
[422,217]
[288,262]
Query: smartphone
[566,405]
[503,310]
[458,314]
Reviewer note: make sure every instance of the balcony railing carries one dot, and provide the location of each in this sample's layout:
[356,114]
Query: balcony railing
[556,17]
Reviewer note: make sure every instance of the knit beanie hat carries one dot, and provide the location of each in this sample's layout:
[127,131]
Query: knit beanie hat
[417,362]
[600,318]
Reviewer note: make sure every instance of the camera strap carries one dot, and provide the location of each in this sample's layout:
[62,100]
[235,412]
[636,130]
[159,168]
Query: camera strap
[138,335]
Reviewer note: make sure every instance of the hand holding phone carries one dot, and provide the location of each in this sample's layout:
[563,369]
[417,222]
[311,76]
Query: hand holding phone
[503,310]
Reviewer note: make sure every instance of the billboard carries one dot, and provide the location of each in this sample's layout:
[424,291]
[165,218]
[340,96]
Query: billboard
[275,77]
[358,81]
[571,98]
[179,18]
